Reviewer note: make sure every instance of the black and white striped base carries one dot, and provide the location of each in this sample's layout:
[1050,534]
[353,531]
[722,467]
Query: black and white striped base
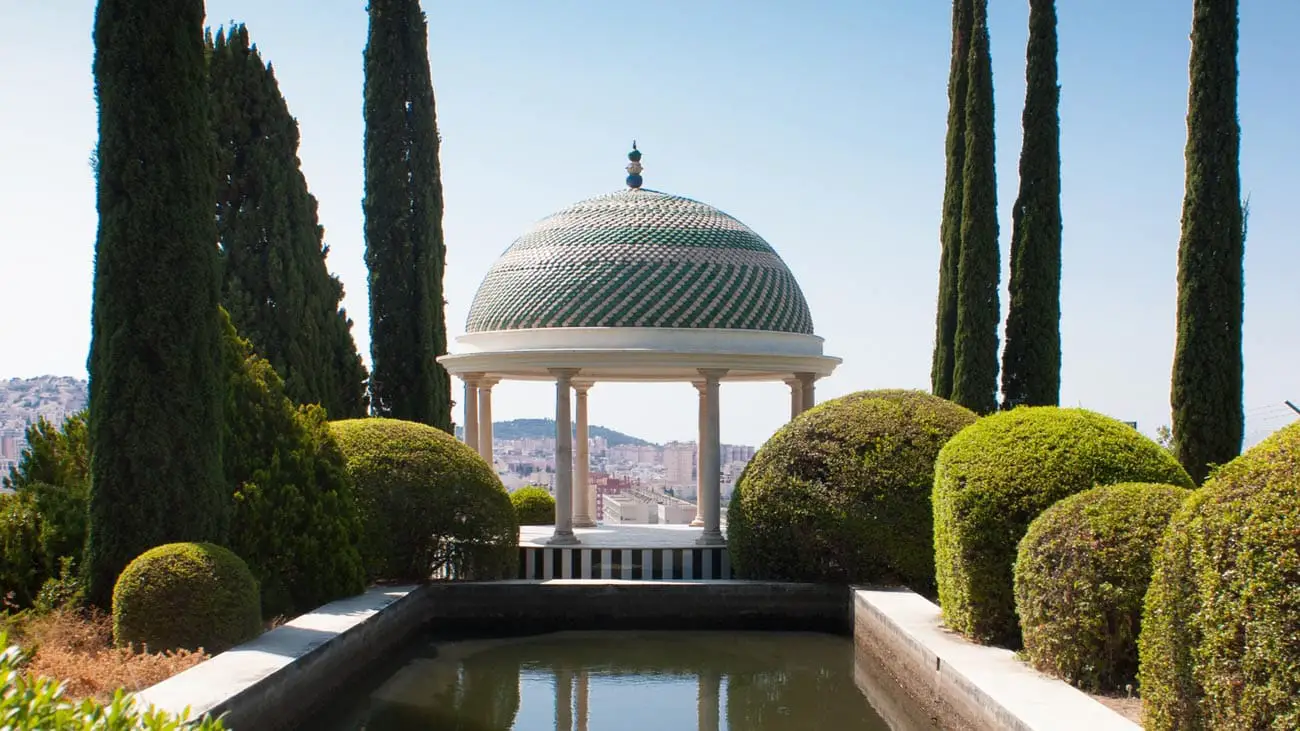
[541,563]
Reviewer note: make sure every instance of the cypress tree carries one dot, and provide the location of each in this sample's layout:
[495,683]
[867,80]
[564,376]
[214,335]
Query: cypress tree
[950,227]
[403,210]
[975,347]
[1031,358]
[156,385]
[1208,416]
[275,283]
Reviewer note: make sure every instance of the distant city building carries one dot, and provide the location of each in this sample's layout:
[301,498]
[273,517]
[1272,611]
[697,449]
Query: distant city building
[679,463]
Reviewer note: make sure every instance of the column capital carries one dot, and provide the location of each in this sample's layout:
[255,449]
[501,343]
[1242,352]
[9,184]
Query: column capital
[470,379]
[486,384]
[564,373]
[712,374]
[805,378]
[582,385]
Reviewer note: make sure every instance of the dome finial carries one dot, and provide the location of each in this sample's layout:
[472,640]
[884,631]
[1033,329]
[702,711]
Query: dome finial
[634,167]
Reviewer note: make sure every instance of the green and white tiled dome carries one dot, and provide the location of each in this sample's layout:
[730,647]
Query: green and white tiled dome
[640,258]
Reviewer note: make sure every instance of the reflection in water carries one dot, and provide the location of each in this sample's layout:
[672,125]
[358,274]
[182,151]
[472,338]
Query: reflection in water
[617,681]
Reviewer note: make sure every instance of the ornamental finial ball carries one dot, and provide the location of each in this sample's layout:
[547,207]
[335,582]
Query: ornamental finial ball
[634,167]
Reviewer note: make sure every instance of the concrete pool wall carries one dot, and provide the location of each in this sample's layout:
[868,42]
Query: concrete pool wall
[277,680]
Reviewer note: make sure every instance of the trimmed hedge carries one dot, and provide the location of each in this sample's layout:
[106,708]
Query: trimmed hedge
[996,476]
[1220,643]
[533,505]
[186,596]
[842,493]
[429,504]
[1081,575]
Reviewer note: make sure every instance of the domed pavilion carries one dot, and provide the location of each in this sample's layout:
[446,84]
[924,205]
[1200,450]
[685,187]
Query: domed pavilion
[639,286]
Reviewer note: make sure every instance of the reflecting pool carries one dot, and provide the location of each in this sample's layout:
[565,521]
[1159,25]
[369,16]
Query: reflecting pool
[616,681]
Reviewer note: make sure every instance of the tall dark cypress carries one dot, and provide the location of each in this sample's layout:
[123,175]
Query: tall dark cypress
[403,209]
[975,348]
[945,330]
[1209,419]
[275,283]
[156,384]
[1031,358]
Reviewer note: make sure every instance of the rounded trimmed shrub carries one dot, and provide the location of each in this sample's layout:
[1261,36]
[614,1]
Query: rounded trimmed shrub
[997,475]
[186,596]
[1081,575]
[429,504]
[1220,643]
[534,505]
[842,493]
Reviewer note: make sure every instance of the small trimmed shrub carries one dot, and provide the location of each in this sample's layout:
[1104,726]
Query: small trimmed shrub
[996,476]
[186,596]
[841,494]
[429,504]
[1220,643]
[30,703]
[533,505]
[1081,575]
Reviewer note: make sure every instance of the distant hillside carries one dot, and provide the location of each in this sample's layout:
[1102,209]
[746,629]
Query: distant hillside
[543,428]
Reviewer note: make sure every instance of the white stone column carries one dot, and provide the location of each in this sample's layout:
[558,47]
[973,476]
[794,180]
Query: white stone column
[582,694]
[563,459]
[796,395]
[710,465]
[564,700]
[698,521]
[582,492]
[485,417]
[807,385]
[708,709]
[471,409]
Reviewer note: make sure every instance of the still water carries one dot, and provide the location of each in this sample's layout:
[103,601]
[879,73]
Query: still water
[617,681]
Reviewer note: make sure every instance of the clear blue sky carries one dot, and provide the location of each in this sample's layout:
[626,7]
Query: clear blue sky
[820,125]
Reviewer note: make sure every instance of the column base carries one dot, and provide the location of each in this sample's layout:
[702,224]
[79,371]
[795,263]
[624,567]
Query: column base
[584,523]
[698,522]
[711,538]
[565,538]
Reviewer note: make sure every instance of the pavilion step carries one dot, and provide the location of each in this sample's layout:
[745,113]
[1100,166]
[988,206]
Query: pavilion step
[541,563]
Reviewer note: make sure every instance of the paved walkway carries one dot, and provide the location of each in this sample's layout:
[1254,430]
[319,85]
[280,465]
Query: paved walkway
[619,536]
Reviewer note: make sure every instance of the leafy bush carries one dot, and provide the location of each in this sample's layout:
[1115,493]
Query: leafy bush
[295,518]
[43,523]
[429,504]
[22,560]
[186,596]
[997,475]
[1081,574]
[533,505]
[38,704]
[1220,642]
[842,493]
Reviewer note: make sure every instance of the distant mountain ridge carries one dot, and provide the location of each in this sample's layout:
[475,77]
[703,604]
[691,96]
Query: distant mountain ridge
[544,428]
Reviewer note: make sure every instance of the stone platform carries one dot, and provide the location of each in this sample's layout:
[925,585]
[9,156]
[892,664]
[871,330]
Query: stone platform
[638,552]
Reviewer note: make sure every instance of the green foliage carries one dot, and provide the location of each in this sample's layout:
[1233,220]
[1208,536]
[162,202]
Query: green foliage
[533,505]
[186,596]
[38,704]
[842,493]
[1080,578]
[1219,636]
[950,228]
[275,282]
[996,476]
[66,591]
[1209,418]
[403,209]
[429,505]
[975,344]
[54,455]
[23,567]
[1031,358]
[295,518]
[155,354]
